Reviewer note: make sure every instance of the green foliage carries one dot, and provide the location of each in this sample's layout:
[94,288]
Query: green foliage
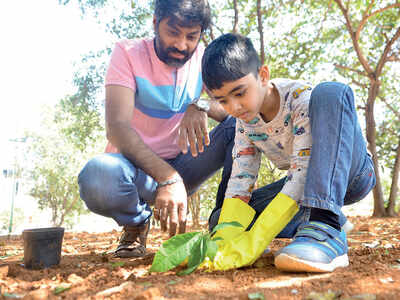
[18,218]
[55,157]
[195,246]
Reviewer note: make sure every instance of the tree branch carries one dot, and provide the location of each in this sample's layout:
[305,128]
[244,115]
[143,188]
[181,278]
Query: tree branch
[366,17]
[350,29]
[385,54]
[393,58]
[396,112]
[351,69]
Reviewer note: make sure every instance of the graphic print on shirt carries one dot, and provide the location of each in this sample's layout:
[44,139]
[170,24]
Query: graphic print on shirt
[285,140]
[246,151]
[255,137]
[254,121]
[297,92]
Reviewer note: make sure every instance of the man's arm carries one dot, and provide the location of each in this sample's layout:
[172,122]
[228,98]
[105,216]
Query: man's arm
[171,198]
[217,112]
[194,127]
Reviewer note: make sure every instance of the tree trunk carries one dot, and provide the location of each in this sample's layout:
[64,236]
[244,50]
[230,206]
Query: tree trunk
[390,211]
[236,16]
[379,207]
[194,207]
[260,31]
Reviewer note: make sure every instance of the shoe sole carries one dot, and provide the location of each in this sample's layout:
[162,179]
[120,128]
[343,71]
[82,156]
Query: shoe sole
[289,263]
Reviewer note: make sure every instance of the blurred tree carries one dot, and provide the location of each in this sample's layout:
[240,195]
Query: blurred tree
[372,45]
[55,157]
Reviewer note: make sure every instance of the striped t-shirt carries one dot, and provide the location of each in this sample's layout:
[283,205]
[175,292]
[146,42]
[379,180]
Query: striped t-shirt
[162,93]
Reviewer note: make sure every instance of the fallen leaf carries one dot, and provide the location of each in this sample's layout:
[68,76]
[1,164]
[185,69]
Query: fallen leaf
[60,289]
[386,280]
[372,245]
[174,281]
[257,295]
[361,297]
[329,295]
[117,264]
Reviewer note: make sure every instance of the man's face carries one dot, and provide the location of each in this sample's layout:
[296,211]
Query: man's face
[241,98]
[175,45]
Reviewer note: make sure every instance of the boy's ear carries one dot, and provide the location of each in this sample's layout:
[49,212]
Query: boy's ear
[264,74]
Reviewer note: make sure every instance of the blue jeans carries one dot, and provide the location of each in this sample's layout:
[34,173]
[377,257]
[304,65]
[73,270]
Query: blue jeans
[340,171]
[113,187]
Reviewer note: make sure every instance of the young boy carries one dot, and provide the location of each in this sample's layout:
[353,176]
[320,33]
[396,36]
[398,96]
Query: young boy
[311,132]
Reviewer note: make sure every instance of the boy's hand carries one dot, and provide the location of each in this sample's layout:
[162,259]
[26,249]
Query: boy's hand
[193,130]
[245,248]
[171,202]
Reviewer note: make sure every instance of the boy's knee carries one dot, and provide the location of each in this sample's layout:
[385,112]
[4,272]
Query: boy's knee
[326,94]
[329,90]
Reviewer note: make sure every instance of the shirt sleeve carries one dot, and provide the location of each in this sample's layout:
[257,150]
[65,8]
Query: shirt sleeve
[302,141]
[120,70]
[245,167]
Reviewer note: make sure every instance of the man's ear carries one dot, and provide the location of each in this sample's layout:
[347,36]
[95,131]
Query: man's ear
[154,23]
[264,74]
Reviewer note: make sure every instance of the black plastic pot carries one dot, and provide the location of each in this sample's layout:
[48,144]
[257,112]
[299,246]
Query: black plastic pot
[42,247]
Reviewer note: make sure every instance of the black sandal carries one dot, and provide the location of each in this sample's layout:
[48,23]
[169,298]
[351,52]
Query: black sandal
[133,241]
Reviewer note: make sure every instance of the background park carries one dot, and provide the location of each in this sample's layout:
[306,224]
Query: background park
[64,46]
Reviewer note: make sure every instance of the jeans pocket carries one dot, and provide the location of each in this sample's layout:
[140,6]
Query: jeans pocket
[362,184]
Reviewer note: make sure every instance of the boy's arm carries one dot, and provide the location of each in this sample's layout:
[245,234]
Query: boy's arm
[246,164]
[301,147]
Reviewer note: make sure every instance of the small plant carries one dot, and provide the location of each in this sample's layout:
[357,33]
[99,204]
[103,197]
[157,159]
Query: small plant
[194,246]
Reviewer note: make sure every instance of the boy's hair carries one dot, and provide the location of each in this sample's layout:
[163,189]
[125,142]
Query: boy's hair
[185,13]
[229,58]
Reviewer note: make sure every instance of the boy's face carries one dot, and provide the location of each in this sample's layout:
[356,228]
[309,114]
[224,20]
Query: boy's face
[175,44]
[242,98]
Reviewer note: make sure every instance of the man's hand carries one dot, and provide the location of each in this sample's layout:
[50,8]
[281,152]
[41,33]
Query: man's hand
[193,128]
[171,202]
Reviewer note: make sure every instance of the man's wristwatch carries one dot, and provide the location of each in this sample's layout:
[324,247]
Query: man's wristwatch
[201,104]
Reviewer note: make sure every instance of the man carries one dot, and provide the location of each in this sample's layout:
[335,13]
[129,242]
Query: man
[152,114]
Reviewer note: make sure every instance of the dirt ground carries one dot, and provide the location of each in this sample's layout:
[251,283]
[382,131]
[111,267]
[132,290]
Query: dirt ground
[88,271]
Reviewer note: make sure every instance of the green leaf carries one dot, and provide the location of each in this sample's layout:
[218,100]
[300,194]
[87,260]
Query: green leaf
[174,281]
[212,249]
[60,289]
[117,264]
[145,284]
[226,224]
[14,296]
[197,256]
[174,251]
[256,296]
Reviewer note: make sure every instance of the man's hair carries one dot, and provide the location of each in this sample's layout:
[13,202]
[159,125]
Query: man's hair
[185,13]
[229,58]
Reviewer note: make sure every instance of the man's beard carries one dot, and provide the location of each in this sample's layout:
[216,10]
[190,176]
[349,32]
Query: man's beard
[163,53]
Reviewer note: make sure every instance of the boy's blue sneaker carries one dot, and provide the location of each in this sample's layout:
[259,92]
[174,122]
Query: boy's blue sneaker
[317,247]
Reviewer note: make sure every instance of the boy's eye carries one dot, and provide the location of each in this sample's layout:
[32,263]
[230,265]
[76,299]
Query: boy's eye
[223,102]
[191,38]
[241,93]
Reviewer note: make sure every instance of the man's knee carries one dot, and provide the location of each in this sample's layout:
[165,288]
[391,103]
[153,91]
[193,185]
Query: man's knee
[213,220]
[97,180]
